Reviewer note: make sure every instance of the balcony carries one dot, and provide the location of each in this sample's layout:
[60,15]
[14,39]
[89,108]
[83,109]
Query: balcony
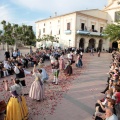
[67,32]
[83,32]
[95,33]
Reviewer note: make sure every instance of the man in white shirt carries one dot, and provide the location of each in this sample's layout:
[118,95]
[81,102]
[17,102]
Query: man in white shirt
[15,54]
[110,115]
[20,74]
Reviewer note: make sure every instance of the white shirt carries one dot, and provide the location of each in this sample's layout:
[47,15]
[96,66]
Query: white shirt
[52,59]
[16,70]
[43,74]
[69,56]
[15,54]
[81,53]
[113,117]
[17,88]
[7,66]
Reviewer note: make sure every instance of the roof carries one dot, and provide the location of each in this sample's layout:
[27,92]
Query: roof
[81,11]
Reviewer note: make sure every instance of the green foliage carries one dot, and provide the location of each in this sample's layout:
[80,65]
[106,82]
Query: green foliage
[12,33]
[48,38]
[112,32]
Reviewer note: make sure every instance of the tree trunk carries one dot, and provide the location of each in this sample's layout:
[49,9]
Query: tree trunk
[3,46]
[7,47]
[15,45]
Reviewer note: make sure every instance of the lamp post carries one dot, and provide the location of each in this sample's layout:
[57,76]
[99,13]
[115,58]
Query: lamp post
[69,43]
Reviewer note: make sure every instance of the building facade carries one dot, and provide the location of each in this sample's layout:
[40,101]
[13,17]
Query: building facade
[81,28]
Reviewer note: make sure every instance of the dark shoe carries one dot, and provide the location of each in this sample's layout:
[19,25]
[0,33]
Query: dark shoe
[53,82]
[103,92]
[26,94]
[56,83]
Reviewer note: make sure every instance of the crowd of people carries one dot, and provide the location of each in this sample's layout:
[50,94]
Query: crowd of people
[16,64]
[108,108]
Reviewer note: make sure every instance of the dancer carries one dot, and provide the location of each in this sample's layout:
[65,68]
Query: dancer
[79,61]
[16,107]
[37,87]
[56,72]
[68,70]
[44,76]
[20,74]
[61,62]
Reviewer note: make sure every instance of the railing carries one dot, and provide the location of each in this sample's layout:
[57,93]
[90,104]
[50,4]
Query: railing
[67,31]
[81,32]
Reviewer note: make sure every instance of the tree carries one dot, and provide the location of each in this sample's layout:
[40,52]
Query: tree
[15,34]
[48,38]
[112,32]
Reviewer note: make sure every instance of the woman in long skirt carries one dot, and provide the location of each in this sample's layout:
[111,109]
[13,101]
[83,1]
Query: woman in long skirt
[79,62]
[62,63]
[37,88]
[68,70]
[16,107]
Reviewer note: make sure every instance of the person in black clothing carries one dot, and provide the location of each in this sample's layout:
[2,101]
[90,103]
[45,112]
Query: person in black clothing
[20,74]
[7,54]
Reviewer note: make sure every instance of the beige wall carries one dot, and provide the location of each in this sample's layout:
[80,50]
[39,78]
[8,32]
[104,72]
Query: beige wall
[96,13]
[55,26]
[75,19]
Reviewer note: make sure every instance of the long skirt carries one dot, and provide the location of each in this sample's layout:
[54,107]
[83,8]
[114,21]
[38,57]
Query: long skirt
[16,109]
[62,64]
[79,64]
[37,91]
[68,70]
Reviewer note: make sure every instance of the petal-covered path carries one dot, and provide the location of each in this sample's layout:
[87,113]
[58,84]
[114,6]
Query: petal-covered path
[74,97]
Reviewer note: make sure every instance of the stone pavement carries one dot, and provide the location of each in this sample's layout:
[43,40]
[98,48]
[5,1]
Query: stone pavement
[78,103]
[74,98]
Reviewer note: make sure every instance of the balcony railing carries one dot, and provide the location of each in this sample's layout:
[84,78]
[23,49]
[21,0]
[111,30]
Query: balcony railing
[81,32]
[67,32]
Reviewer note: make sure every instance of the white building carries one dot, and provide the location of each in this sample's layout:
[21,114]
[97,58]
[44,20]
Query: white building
[80,28]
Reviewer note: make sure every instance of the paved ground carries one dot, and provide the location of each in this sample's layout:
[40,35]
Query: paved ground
[75,97]
[78,103]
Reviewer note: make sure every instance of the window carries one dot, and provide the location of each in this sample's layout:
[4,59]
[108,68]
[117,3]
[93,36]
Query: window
[50,22]
[101,29]
[82,26]
[68,26]
[43,30]
[93,28]
[117,16]
[44,24]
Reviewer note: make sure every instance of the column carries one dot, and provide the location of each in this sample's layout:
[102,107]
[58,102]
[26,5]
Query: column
[86,44]
[96,44]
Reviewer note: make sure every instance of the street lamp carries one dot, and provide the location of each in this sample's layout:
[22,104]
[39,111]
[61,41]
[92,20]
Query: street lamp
[69,43]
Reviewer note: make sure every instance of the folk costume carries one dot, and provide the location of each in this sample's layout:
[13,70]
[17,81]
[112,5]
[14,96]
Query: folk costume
[16,107]
[68,70]
[62,63]
[37,88]
[20,74]
[56,72]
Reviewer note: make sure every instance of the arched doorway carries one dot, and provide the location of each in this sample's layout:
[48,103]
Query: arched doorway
[81,43]
[100,45]
[91,43]
[115,45]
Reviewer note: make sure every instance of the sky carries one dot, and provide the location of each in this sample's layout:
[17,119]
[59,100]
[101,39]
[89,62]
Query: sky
[30,11]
